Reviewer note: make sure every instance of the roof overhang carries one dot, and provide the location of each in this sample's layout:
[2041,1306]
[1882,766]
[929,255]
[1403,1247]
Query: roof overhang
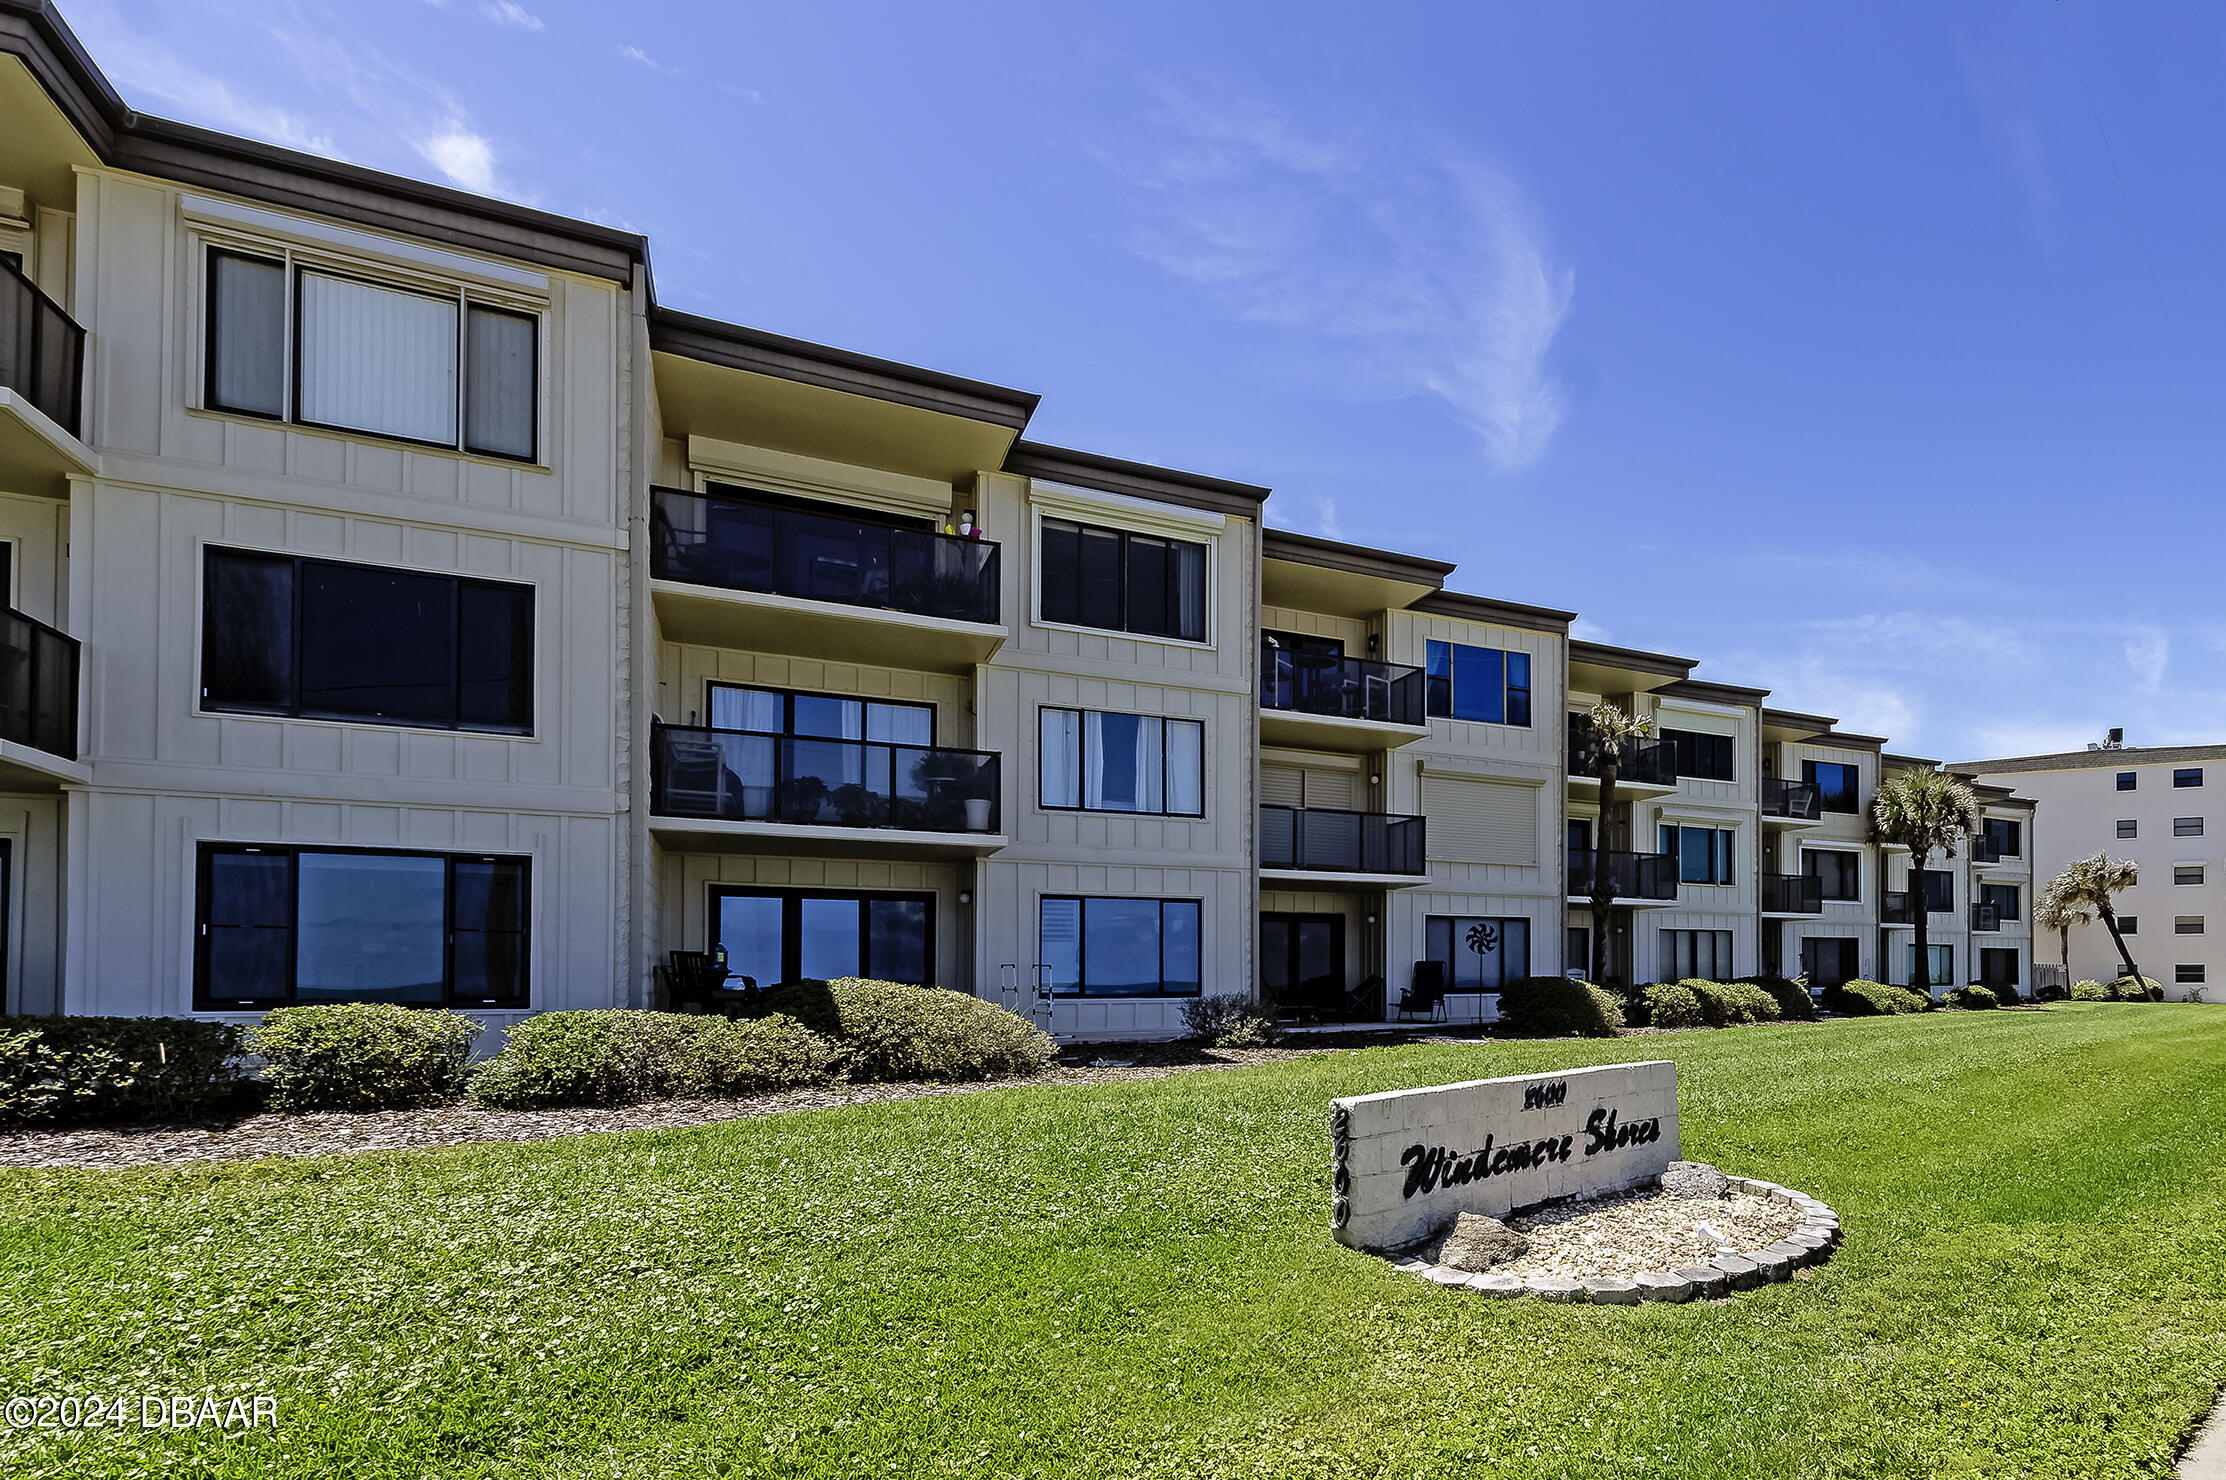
[745,385]
[1135,479]
[1337,579]
[1786,724]
[1467,608]
[1707,692]
[1597,668]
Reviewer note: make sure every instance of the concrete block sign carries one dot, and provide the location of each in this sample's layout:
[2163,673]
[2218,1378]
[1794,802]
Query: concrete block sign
[1404,1162]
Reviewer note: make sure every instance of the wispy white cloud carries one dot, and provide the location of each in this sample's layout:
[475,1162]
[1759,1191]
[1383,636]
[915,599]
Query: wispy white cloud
[465,157]
[1425,265]
[510,13]
[2147,652]
[642,58]
[1584,629]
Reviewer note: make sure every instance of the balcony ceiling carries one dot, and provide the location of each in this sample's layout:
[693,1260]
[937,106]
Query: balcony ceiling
[38,147]
[1596,668]
[753,622]
[36,456]
[1340,580]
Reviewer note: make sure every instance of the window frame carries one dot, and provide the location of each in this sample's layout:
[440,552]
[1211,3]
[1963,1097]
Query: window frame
[711,687]
[2006,833]
[1209,544]
[1725,842]
[294,261]
[2188,975]
[1855,872]
[1673,939]
[1457,938]
[1082,990]
[205,708]
[2187,925]
[207,850]
[2181,775]
[1448,684]
[2129,924]
[1921,886]
[2197,869]
[2129,827]
[1687,745]
[2013,909]
[1082,756]
[792,909]
[2129,781]
[2187,827]
[1809,775]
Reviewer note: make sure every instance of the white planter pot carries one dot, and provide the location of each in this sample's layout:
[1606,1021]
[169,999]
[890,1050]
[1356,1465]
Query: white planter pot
[977,814]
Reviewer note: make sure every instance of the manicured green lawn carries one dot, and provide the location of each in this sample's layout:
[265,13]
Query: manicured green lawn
[1139,1280]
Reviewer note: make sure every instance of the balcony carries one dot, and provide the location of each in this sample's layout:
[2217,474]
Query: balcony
[1897,908]
[1642,768]
[1319,702]
[42,361]
[1317,845]
[736,791]
[1789,803]
[771,577]
[1986,917]
[1985,850]
[38,705]
[1639,878]
[1792,894]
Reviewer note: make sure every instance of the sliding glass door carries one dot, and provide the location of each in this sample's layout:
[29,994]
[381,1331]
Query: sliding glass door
[785,935]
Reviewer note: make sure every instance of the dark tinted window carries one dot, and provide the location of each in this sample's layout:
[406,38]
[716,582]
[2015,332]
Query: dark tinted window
[1841,873]
[1939,891]
[1998,966]
[499,376]
[2188,776]
[2006,834]
[247,335]
[1702,757]
[2127,780]
[1122,582]
[2002,896]
[1113,947]
[1703,853]
[247,926]
[2187,974]
[247,632]
[487,922]
[2128,828]
[780,935]
[331,640]
[2187,827]
[2191,874]
[1486,685]
[1838,785]
[2129,924]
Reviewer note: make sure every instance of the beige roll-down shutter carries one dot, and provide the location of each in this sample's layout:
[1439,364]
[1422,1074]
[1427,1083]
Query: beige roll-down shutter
[1481,821]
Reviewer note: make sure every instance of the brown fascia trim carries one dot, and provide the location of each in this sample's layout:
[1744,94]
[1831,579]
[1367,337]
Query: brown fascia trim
[1786,719]
[1851,742]
[1137,480]
[1714,693]
[1359,560]
[2098,760]
[1599,654]
[693,337]
[1907,761]
[34,31]
[1489,609]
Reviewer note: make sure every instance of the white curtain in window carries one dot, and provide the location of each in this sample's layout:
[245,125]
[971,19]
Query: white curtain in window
[1186,761]
[1060,734]
[734,708]
[1151,791]
[1097,795]
[377,360]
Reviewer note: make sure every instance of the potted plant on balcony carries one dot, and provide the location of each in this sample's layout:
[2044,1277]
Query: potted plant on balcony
[802,798]
[957,789]
[857,805]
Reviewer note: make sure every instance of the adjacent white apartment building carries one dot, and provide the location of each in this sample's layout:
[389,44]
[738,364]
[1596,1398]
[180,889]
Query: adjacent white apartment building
[2149,804]
[400,604]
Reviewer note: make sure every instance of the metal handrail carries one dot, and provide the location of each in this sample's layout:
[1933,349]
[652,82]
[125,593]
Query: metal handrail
[1984,849]
[1643,762]
[1800,801]
[1341,688]
[1792,894]
[1986,917]
[42,350]
[746,776]
[38,684]
[1635,875]
[1338,840]
[1895,908]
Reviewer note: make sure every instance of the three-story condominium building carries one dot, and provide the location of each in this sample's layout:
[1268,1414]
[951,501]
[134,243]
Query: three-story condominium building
[402,605]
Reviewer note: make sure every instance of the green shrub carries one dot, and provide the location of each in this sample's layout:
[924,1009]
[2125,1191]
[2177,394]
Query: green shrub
[889,1031]
[1664,1005]
[1973,996]
[2089,992]
[2127,989]
[1558,1007]
[1230,1020]
[1728,1004]
[116,1069]
[2004,993]
[363,1056]
[622,1057]
[1795,1005]
[809,1002]
[1863,998]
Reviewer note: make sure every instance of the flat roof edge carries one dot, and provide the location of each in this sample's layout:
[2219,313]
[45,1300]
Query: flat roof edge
[1137,480]
[1360,560]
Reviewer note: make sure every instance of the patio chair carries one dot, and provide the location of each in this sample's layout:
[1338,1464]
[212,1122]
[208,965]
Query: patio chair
[1425,993]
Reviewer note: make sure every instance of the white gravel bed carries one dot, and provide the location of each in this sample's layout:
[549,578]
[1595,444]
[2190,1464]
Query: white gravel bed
[1617,1237]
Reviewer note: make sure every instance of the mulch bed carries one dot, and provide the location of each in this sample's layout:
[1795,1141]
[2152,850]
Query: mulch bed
[251,1136]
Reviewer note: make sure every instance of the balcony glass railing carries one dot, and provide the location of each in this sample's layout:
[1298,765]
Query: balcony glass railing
[1801,801]
[1986,917]
[849,559]
[1895,908]
[739,776]
[1342,688]
[1634,875]
[1641,762]
[1985,849]
[38,685]
[1335,841]
[1792,894]
[42,350]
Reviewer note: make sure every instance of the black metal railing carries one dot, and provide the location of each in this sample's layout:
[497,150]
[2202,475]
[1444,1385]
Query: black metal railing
[1343,688]
[740,776]
[1895,908]
[850,559]
[1985,849]
[42,350]
[1802,801]
[1634,875]
[1644,762]
[38,685]
[1335,841]
[1986,917]
[1792,894]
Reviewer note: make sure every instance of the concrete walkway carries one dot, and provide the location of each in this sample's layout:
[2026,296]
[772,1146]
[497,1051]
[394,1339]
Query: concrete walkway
[2206,1457]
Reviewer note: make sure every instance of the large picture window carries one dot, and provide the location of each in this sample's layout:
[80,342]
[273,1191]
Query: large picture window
[1488,685]
[1840,873]
[322,639]
[1703,854]
[413,364]
[1096,577]
[1940,965]
[788,935]
[278,926]
[1098,762]
[1702,757]
[1479,955]
[1939,891]
[2006,834]
[1696,955]
[1839,786]
[1106,947]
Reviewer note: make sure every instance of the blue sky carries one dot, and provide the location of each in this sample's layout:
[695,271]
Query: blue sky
[1871,354]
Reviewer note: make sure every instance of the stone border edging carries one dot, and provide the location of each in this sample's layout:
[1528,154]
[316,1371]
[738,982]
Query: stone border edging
[1747,1269]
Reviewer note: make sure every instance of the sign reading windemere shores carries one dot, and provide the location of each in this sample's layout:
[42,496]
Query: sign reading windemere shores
[1406,1161]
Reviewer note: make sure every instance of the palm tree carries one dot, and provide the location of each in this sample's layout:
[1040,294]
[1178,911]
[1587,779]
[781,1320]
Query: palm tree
[2060,910]
[2090,883]
[1926,812]
[1613,727]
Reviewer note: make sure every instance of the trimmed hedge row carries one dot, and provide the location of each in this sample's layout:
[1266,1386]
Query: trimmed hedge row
[58,1069]
[1559,1007]
[1973,996]
[622,1057]
[1864,998]
[360,1056]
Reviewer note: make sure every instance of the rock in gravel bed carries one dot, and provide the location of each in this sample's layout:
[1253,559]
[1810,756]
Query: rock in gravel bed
[1616,1237]
[1478,1243]
[1694,1179]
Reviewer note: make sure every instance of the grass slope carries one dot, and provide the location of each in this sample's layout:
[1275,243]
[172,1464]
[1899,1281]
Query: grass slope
[1138,1280]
